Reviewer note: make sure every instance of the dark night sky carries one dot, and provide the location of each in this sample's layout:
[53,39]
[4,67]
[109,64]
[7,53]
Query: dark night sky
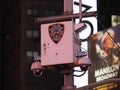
[6,7]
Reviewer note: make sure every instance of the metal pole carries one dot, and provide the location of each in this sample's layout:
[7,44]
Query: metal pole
[80,10]
[68,82]
[68,7]
[68,77]
[65,17]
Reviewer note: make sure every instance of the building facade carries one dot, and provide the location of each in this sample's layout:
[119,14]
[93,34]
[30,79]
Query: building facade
[22,43]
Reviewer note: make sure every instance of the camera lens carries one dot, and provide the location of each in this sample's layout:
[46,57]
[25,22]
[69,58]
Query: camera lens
[37,72]
[84,67]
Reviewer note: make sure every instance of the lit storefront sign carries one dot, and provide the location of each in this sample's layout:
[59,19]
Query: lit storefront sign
[106,86]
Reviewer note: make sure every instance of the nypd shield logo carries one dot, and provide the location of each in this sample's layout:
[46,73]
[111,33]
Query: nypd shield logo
[56,32]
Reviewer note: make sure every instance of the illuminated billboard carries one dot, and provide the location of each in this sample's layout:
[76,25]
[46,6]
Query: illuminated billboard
[104,53]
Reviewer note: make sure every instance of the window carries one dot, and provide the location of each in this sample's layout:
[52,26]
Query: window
[31,33]
[32,53]
[36,34]
[29,53]
[35,53]
[33,12]
[115,20]
[29,11]
[49,13]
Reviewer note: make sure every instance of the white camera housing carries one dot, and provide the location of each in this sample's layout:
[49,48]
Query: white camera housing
[84,62]
[36,68]
[59,42]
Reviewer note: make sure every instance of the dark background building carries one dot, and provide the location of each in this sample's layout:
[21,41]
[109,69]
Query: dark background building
[107,8]
[21,42]
[19,38]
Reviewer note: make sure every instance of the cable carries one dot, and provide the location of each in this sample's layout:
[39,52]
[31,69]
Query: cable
[83,48]
[80,74]
[78,71]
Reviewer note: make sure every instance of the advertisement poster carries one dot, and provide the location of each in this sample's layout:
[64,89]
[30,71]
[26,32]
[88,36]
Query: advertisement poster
[104,53]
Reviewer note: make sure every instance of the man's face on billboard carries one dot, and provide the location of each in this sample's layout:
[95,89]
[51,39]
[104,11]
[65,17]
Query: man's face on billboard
[108,43]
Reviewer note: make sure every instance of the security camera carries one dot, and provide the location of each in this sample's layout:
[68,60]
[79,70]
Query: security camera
[36,68]
[83,62]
